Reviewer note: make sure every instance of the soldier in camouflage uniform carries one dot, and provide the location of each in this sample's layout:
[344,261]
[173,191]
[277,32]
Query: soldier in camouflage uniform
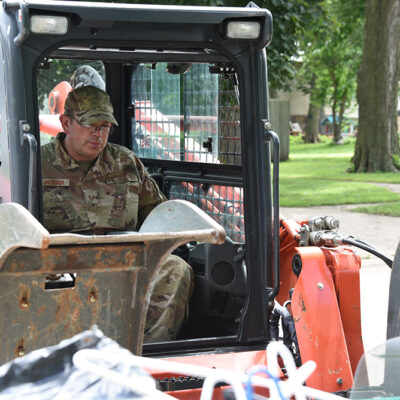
[91,185]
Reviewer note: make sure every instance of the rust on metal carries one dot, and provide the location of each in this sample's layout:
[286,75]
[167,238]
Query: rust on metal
[24,297]
[302,304]
[104,294]
[65,259]
[111,286]
[92,297]
[20,349]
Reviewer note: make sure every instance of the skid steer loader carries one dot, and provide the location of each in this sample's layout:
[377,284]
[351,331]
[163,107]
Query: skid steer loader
[190,92]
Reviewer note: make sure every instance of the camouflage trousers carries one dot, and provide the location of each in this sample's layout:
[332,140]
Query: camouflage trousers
[168,307]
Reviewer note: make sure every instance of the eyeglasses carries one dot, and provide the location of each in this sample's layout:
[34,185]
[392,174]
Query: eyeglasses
[103,129]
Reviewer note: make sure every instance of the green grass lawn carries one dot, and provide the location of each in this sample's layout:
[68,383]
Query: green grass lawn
[392,209]
[316,174]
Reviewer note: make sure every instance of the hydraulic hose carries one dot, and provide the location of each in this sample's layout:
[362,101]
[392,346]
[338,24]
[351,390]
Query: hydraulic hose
[281,313]
[333,238]
[367,247]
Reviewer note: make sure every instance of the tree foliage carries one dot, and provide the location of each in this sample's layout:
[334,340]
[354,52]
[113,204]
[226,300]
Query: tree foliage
[291,18]
[332,53]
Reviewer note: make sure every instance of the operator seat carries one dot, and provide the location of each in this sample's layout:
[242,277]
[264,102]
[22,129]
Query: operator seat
[220,288]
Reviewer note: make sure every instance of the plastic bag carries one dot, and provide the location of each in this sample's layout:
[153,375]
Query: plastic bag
[50,373]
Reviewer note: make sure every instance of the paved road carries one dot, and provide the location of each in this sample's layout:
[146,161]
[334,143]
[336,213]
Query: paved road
[382,233]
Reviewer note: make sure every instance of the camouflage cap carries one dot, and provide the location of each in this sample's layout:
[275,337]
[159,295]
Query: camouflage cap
[89,105]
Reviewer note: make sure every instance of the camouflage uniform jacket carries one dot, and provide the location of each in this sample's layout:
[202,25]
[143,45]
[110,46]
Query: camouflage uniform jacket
[115,193]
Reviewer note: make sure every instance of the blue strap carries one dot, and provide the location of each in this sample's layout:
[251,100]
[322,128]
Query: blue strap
[257,370]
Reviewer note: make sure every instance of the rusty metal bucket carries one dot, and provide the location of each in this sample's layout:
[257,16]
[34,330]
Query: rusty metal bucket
[111,276]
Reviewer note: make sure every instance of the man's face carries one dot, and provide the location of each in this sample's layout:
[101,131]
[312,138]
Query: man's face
[83,142]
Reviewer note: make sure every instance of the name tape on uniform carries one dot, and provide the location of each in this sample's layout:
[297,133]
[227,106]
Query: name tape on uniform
[55,182]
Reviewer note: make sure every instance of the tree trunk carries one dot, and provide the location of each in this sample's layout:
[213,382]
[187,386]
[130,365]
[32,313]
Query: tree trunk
[337,125]
[338,122]
[312,127]
[377,141]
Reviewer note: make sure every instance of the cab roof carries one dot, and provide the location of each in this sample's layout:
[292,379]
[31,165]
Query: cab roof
[143,22]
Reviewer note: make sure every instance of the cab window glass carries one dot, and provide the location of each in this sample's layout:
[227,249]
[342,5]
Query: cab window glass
[185,112]
[190,113]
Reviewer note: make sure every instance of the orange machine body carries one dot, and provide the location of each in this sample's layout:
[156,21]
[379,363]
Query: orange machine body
[325,305]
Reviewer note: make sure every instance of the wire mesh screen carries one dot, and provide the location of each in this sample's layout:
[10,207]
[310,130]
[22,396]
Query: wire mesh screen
[187,117]
[229,124]
[191,117]
[222,203]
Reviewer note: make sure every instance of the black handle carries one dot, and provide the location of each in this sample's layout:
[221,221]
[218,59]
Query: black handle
[24,18]
[270,135]
[32,146]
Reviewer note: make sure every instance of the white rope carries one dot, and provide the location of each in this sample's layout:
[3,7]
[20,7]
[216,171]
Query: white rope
[293,386]
[88,360]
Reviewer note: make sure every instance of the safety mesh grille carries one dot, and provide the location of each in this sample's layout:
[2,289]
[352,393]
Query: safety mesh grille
[192,117]
[223,203]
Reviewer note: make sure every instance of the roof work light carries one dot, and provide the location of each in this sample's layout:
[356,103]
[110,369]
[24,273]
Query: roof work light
[243,29]
[49,24]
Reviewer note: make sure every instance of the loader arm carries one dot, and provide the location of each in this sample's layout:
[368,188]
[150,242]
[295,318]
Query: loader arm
[325,305]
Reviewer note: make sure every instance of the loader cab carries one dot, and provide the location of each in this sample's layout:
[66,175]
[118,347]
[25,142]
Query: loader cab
[189,91]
